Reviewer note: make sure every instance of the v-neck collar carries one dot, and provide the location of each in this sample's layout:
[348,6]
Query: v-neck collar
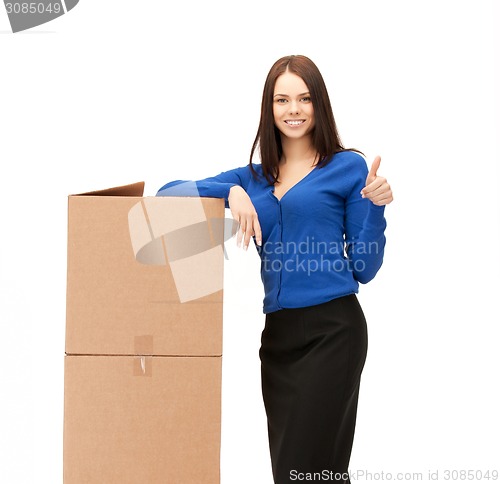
[293,186]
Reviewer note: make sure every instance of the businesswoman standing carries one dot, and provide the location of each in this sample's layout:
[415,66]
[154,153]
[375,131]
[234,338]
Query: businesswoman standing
[316,216]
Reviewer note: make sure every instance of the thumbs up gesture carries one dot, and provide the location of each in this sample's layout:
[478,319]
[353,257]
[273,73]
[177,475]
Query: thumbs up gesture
[376,187]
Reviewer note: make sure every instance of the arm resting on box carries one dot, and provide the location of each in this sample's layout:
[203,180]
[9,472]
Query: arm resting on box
[216,186]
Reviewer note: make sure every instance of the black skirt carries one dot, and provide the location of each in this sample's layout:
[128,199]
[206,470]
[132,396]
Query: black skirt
[311,363]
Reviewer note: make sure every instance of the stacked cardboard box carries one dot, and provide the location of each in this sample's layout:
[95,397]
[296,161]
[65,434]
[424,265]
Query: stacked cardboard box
[143,338]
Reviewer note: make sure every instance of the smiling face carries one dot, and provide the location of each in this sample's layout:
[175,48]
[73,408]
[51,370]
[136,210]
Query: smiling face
[292,106]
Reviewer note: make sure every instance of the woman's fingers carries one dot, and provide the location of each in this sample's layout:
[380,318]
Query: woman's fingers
[383,199]
[239,235]
[373,185]
[244,212]
[249,226]
[378,191]
[376,188]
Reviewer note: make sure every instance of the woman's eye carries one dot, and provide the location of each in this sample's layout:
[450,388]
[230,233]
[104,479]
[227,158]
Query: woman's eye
[306,99]
[282,101]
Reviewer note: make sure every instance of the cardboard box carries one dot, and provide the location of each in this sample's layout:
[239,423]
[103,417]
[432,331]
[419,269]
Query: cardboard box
[143,338]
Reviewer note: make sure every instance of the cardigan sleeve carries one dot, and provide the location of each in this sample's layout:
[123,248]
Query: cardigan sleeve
[365,225]
[216,186]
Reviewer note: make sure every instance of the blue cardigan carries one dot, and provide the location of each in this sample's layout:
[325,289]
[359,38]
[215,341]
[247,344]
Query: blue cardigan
[319,241]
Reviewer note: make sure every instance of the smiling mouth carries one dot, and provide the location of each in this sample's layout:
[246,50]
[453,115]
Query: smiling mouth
[295,122]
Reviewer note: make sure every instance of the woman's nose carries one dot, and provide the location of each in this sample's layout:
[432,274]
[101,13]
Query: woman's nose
[294,107]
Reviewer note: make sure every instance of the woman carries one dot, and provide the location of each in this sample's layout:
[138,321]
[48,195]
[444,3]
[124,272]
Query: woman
[316,216]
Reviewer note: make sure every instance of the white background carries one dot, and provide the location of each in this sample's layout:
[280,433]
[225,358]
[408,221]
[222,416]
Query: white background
[118,91]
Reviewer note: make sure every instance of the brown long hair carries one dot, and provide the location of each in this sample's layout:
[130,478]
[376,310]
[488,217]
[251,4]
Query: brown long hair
[325,136]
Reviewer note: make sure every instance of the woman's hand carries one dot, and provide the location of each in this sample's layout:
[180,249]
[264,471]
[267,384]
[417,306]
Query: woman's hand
[244,212]
[376,187]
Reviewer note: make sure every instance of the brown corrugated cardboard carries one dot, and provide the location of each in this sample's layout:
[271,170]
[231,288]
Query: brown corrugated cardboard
[122,427]
[143,338]
[112,298]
